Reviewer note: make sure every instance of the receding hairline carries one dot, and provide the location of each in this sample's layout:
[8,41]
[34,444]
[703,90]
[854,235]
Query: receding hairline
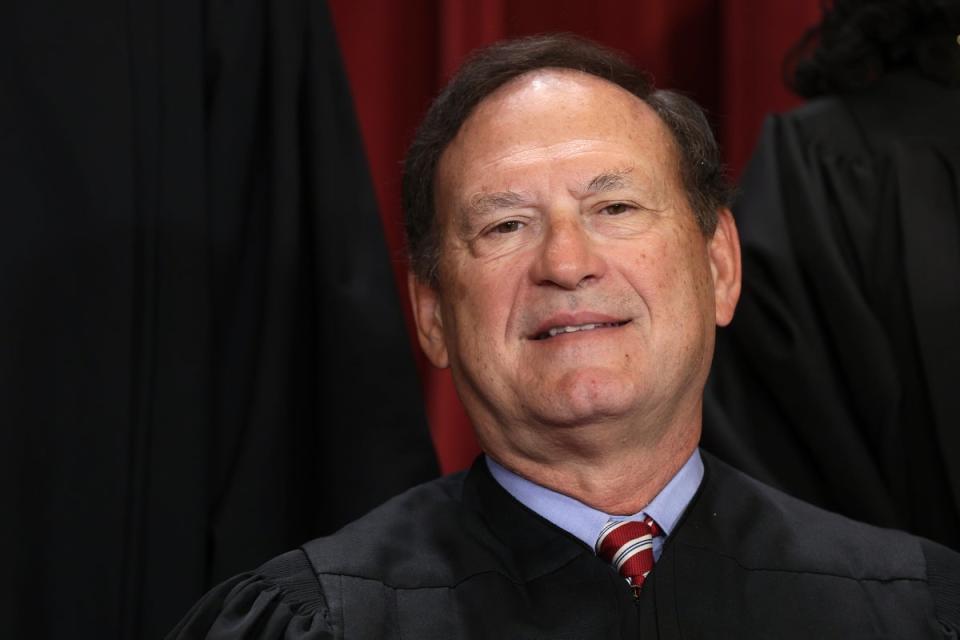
[513,84]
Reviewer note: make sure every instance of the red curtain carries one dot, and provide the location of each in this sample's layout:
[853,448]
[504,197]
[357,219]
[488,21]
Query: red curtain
[725,54]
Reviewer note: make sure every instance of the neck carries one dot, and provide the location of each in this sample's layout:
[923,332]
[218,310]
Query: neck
[620,478]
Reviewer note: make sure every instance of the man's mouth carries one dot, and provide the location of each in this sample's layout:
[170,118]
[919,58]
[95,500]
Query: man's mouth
[574,328]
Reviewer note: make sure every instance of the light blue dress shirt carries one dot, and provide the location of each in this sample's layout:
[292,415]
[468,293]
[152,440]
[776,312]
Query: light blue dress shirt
[585,522]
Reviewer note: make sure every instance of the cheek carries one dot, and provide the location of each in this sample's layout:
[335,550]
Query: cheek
[653,269]
[482,302]
[671,274]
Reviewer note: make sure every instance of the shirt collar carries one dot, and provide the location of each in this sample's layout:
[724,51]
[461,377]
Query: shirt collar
[585,522]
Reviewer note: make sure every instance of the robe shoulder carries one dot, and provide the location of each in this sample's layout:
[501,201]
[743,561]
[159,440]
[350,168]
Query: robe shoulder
[281,599]
[289,596]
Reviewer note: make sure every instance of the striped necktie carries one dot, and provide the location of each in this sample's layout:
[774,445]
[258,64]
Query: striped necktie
[628,546]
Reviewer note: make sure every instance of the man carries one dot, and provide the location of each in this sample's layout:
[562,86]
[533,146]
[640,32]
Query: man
[572,254]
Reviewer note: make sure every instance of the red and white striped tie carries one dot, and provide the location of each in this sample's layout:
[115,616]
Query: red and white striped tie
[628,546]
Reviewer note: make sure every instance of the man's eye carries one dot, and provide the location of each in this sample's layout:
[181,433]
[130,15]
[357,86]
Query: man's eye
[507,227]
[616,208]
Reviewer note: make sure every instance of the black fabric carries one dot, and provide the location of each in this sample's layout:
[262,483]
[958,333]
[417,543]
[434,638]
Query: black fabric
[943,575]
[836,379]
[202,358]
[460,558]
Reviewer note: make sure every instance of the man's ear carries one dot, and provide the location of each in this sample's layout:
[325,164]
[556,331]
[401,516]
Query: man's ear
[425,300]
[724,250]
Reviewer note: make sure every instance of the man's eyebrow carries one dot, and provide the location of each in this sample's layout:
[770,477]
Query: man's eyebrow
[609,181]
[483,203]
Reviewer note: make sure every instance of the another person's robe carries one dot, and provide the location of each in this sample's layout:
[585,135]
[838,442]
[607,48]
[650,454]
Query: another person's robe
[202,355]
[838,378]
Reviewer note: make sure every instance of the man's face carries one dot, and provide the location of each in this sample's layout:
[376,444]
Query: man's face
[575,285]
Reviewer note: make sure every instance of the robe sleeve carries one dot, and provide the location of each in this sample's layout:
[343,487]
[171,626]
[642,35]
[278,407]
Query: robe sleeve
[280,600]
[943,576]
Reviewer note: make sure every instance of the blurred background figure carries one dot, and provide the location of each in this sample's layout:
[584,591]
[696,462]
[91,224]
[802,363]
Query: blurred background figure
[202,356]
[837,378]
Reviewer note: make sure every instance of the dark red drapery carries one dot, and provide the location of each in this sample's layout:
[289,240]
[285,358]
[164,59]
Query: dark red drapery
[725,54]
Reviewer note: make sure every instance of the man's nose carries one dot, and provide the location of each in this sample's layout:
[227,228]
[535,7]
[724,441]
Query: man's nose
[568,257]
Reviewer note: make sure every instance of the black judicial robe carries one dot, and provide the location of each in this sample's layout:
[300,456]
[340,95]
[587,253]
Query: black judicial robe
[202,356]
[837,380]
[460,558]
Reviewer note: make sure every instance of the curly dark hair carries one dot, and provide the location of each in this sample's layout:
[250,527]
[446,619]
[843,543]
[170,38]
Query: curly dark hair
[858,41]
[702,172]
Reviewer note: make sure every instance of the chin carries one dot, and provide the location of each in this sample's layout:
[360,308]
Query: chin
[587,396]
